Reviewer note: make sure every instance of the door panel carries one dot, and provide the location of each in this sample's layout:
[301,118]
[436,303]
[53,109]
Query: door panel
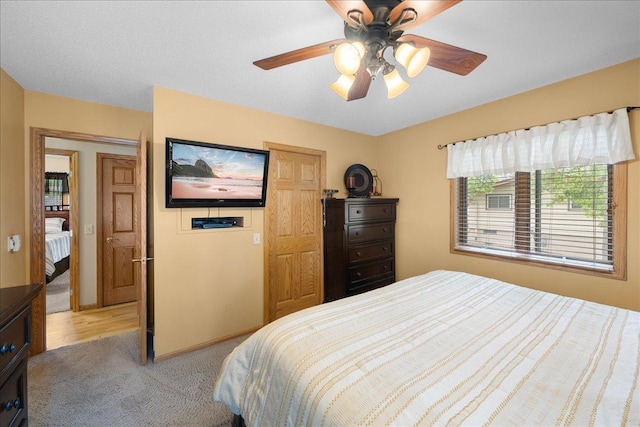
[118,239]
[294,274]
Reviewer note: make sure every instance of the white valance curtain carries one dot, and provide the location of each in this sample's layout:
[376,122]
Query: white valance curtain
[599,139]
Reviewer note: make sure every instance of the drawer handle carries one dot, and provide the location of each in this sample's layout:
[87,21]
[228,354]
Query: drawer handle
[386,267]
[384,248]
[7,348]
[385,229]
[358,274]
[384,210]
[358,253]
[9,405]
[358,211]
[357,233]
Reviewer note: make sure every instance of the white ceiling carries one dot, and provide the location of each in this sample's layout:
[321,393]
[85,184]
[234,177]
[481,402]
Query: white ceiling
[114,52]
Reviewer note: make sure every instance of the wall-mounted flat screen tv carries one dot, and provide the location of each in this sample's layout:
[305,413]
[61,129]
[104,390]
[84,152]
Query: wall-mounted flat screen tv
[200,174]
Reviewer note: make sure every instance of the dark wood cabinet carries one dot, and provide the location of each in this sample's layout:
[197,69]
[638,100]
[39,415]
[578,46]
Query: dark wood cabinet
[15,337]
[359,245]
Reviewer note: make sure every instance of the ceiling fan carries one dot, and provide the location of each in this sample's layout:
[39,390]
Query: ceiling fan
[371,27]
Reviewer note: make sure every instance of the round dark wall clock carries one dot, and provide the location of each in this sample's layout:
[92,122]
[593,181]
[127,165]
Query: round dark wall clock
[360,178]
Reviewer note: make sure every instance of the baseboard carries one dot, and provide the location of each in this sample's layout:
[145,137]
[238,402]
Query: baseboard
[203,345]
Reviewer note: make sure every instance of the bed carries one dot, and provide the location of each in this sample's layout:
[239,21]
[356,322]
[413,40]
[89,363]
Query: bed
[444,348]
[57,243]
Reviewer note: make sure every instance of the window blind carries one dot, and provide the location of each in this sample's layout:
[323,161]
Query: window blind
[562,215]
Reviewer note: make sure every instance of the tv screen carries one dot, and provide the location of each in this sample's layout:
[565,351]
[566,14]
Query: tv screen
[201,174]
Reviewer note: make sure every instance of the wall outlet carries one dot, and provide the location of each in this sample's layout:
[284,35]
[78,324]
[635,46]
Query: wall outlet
[256,238]
[88,229]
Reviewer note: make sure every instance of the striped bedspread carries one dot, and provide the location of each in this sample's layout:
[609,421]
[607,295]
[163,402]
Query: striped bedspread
[444,348]
[57,247]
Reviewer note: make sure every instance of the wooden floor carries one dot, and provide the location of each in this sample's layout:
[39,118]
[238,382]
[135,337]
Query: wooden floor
[67,327]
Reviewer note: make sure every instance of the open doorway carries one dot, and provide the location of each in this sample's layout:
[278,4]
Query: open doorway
[61,230]
[42,139]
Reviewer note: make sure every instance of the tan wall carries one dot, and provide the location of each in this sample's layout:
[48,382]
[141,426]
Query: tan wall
[209,283]
[13,266]
[413,169]
[66,114]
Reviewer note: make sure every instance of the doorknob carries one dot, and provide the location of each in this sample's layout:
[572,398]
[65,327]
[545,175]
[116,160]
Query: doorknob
[109,239]
[142,260]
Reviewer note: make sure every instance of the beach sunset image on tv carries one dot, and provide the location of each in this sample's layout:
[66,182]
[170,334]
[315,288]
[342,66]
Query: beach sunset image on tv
[201,172]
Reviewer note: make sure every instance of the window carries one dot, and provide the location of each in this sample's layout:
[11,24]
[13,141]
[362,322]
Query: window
[573,206]
[538,228]
[577,163]
[498,201]
[56,186]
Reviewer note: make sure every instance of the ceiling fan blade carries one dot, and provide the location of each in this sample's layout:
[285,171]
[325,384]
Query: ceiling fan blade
[344,7]
[361,85]
[447,57]
[424,9]
[298,55]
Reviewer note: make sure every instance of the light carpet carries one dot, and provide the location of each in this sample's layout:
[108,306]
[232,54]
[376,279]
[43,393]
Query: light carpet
[101,383]
[58,293]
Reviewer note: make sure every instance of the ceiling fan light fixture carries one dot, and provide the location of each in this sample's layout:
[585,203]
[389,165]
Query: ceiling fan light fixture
[370,28]
[395,85]
[347,57]
[342,85]
[412,59]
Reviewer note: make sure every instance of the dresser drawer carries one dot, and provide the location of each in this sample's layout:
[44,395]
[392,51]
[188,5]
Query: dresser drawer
[371,212]
[370,252]
[371,271]
[13,395]
[15,338]
[366,233]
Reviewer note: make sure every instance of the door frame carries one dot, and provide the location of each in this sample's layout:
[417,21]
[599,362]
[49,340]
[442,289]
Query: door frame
[36,248]
[268,226]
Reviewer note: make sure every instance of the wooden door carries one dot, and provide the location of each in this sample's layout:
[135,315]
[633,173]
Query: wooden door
[294,275]
[140,250]
[117,238]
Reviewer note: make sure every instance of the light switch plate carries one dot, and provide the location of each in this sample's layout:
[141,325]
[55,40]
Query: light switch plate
[14,243]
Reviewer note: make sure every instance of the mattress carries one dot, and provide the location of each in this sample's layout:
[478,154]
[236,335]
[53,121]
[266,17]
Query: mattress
[57,247]
[444,348]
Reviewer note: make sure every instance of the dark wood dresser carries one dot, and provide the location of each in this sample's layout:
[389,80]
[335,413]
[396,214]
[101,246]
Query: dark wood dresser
[359,245]
[15,337]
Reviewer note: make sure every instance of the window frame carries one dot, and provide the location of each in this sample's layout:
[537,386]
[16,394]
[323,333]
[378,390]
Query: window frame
[619,233]
[498,196]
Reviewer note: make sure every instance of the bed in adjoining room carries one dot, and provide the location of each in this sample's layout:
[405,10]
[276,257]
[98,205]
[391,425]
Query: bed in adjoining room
[57,243]
[443,348]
